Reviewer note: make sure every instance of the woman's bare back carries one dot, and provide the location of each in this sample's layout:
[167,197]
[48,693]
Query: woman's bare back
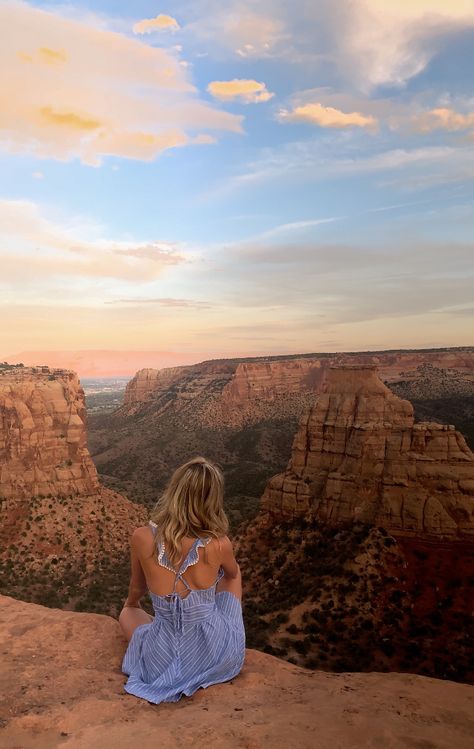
[161,580]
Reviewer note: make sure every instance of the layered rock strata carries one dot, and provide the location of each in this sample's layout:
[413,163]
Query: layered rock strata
[61,685]
[242,383]
[174,386]
[43,446]
[60,530]
[358,455]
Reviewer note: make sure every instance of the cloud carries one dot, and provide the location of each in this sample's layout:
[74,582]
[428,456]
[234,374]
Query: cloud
[248,91]
[163,302]
[71,120]
[368,43]
[335,156]
[160,23]
[88,92]
[443,118]
[390,42]
[352,282]
[317,114]
[44,55]
[234,28]
[34,248]
[295,226]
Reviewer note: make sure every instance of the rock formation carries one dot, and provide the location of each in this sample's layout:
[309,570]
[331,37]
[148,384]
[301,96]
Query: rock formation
[61,685]
[60,529]
[43,434]
[241,384]
[173,385]
[267,380]
[241,413]
[358,455]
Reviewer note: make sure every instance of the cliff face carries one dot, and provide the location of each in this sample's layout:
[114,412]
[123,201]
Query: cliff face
[269,379]
[43,434]
[358,455]
[148,382]
[175,386]
[243,414]
[61,685]
[242,384]
[60,529]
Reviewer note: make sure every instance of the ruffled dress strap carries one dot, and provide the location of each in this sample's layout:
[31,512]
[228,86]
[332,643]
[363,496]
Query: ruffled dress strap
[191,559]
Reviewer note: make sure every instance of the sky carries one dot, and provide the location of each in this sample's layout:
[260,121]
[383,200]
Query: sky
[242,178]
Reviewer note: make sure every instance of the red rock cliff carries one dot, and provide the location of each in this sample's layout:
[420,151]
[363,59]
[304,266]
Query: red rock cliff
[359,455]
[59,527]
[43,434]
[148,382]
[243,383]
[177,385]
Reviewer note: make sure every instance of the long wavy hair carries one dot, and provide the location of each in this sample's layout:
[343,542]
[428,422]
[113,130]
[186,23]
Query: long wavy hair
[191,505]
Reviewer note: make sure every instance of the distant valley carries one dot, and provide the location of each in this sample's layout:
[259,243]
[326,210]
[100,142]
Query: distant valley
[104,394]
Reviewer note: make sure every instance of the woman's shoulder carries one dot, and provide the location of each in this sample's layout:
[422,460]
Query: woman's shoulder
[220,543]
[142,534]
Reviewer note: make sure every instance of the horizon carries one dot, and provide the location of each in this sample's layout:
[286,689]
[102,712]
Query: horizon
[200,180]
[88,368]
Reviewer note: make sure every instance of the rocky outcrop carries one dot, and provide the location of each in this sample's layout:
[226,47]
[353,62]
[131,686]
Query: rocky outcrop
[358,455]
[61,685]
[174,386]
[43,434]
[148,382]
[60,530]
[267,380]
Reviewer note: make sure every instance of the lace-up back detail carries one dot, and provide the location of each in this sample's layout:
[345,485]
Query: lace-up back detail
[191,559]
[195,640]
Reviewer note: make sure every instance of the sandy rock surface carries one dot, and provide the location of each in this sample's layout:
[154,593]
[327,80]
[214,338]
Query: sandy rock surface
[61,686]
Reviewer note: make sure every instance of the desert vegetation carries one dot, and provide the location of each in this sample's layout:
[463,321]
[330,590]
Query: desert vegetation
[355,598]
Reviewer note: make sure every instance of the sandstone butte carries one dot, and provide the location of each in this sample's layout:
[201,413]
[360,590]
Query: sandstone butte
[42,434]
[240,383]
[61,686]
[43,457]
[358,455]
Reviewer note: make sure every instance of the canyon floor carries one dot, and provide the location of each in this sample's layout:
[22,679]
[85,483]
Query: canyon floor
[62,686]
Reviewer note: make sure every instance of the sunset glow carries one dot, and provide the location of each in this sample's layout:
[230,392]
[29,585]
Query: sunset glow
[209,179]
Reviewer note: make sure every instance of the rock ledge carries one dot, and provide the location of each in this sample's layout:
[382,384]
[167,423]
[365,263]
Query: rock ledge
[61,686]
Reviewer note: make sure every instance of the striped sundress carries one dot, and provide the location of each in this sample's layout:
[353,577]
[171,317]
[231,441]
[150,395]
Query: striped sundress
[192,642]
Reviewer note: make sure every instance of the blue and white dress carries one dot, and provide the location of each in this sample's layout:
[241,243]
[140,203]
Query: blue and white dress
[192,642]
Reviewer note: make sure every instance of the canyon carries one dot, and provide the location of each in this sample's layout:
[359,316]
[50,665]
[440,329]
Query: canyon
[241,384]
[356,557]
[243,414]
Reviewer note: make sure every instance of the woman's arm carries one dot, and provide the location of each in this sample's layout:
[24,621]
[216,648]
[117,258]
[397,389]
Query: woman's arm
[138,585]
[228,560]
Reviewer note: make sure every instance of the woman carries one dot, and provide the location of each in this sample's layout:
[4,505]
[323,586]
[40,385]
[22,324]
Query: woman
[185,560]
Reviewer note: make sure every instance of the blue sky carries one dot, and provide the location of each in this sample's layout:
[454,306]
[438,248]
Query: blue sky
[237,178]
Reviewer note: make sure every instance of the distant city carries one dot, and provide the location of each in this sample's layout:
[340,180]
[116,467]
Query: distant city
[103,394]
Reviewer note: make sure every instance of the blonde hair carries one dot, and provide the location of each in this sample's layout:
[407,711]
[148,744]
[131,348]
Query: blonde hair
[191,505]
